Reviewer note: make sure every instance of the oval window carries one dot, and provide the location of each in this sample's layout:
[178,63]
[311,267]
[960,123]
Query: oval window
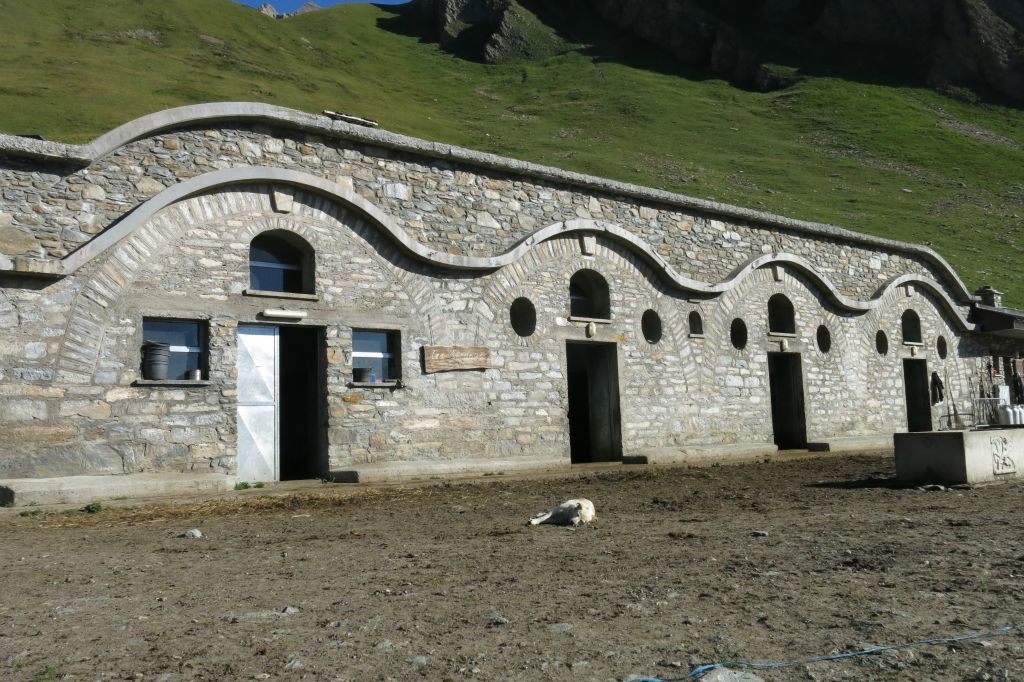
[824,339]
[738,334]
[942,347]
[650,325]
[523,317]
[881,343]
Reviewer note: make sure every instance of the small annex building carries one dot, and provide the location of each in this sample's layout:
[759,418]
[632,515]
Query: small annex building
[342,301]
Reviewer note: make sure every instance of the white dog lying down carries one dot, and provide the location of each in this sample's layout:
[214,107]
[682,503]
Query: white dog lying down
[569,513]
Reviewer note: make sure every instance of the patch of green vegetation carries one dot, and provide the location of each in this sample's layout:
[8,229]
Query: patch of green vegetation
[882,158]
[92,508]
[258,484]
[48,674]
[31,512]
[242,485]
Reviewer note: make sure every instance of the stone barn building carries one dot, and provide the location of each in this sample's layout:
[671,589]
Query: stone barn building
[341,301]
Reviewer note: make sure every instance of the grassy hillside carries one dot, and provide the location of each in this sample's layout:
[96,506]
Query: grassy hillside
[900,162]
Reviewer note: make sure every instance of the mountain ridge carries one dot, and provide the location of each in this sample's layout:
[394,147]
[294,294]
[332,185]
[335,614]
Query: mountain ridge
[269,10]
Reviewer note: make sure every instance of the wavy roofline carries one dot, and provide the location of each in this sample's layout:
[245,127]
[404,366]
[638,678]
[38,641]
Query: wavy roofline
[254,112]
[418,251]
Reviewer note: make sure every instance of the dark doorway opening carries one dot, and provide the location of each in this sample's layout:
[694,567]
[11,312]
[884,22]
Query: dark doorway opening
[785,379]
[594,420]
[915,383]
[302,437]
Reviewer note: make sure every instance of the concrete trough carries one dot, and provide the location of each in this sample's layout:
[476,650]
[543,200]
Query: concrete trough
[955,457]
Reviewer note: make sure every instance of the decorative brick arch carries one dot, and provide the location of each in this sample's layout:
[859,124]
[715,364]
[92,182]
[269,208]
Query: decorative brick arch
[956,367]
[109,277]
[556,260]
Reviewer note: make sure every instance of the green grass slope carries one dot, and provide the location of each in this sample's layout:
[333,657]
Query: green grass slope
[899,162]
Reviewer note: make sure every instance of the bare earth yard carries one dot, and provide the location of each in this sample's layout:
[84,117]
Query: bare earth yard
[446,582]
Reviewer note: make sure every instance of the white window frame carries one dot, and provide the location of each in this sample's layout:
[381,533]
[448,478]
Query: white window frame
[389,334]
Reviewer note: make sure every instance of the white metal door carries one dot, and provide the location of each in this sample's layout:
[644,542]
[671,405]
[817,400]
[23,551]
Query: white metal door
[258,403]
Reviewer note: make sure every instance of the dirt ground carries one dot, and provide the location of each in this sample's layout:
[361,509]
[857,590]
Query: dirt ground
[445,582]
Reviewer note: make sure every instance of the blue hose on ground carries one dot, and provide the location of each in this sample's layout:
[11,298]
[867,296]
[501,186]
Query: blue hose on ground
[702,670]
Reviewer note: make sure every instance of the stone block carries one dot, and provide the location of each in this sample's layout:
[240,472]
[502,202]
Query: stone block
[24,410]
[958,457]
[83,408]
[94,192]
[15,241]
[148,186]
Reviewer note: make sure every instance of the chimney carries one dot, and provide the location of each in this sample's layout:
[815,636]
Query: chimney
[990,296]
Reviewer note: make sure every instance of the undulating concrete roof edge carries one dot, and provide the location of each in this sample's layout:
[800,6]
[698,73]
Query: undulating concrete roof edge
[225,112]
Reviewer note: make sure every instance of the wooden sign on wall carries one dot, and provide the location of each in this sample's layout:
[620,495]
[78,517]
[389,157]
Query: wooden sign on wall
[453,358]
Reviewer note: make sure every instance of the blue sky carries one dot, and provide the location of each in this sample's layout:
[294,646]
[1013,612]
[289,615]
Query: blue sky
[292,5]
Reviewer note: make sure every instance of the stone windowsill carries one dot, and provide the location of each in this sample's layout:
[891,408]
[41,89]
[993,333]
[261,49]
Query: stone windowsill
[189,383]
[596,320]
[696,336]
[916,344]
[280,294]
[782,335]
[379,384]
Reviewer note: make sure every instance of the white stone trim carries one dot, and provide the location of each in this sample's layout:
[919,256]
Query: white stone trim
[231,176]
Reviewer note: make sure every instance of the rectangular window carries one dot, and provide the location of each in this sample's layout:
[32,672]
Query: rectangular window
[379,351]
[187,339]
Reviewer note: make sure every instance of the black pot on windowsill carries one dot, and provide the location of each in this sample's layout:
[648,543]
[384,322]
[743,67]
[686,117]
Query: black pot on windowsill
[361,375]
[155,358]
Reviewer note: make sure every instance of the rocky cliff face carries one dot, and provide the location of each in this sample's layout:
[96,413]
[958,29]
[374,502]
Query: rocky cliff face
[488,30]
[271,11]
[977,43]
[949,42]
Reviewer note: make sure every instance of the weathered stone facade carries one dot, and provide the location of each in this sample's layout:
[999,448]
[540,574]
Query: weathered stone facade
[434,243]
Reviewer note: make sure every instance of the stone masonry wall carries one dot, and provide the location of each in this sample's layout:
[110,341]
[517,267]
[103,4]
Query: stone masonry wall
[69,354]
[50,210]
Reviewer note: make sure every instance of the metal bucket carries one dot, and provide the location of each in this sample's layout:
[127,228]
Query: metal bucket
[155,358]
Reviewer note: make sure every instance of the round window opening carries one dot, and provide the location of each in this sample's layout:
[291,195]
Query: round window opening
[523,317]
[942,347]
[824,339]
[738,334]
[650,325]
[881,343]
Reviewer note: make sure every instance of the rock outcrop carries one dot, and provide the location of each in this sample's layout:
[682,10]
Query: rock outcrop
[306,9]
[973,43]
[946,42]
[271,11]
[489,30]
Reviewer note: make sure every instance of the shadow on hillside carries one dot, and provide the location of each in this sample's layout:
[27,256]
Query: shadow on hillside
[783,57]
[572,21]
